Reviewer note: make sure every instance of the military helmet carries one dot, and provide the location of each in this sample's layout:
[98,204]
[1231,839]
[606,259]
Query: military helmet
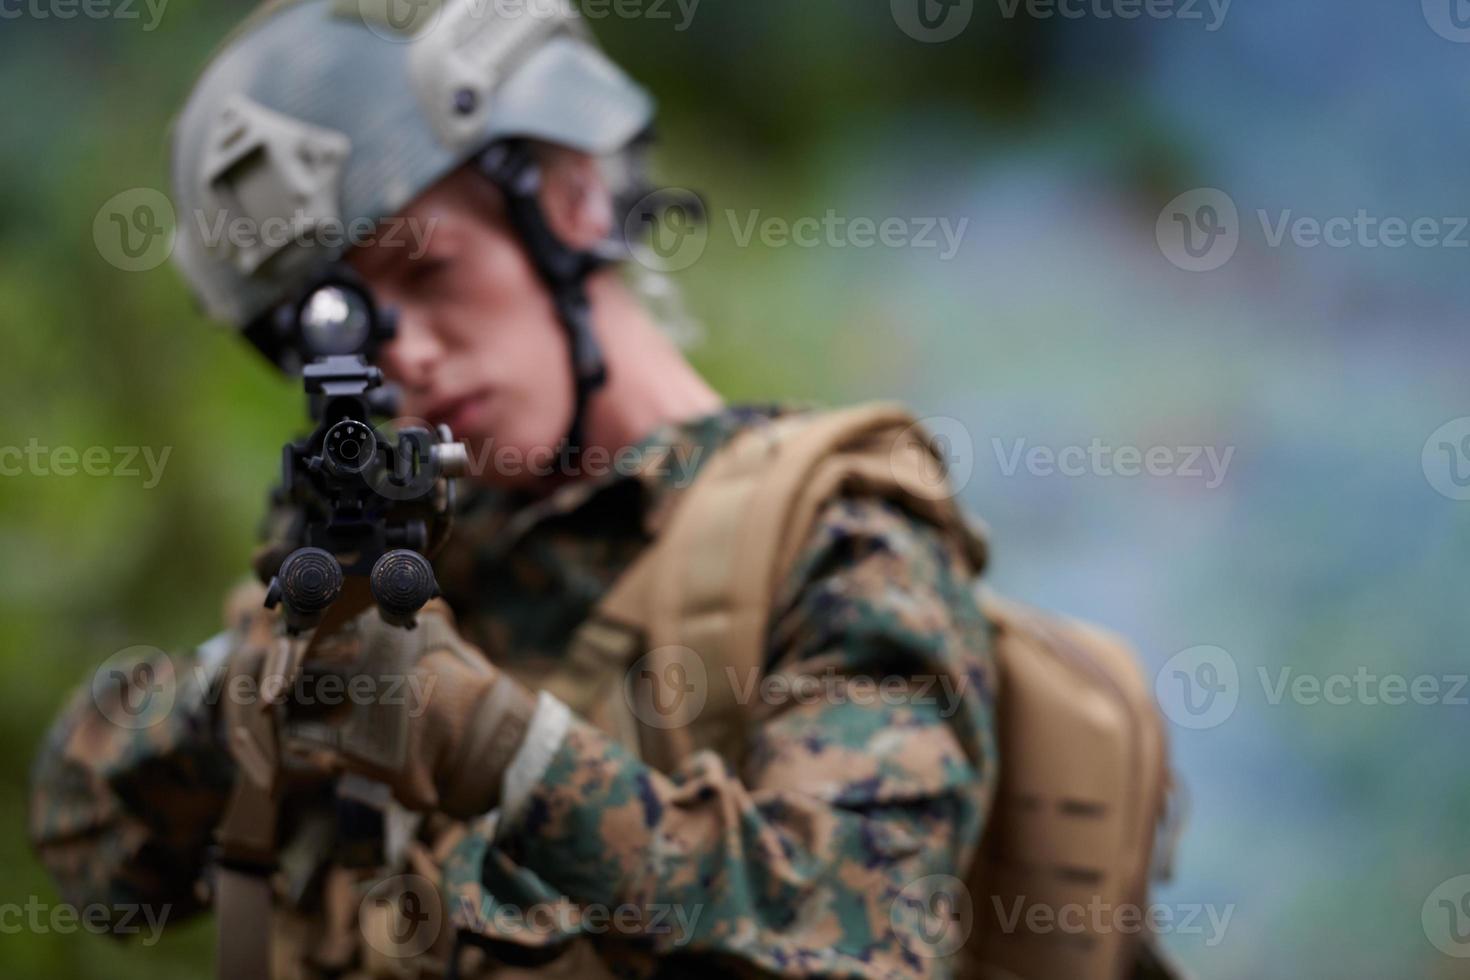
[317,116]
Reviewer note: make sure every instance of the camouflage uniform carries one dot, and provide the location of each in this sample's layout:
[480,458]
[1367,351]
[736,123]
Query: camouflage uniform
[789,866]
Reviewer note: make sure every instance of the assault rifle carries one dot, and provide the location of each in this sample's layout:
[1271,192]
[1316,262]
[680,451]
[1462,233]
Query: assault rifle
[362,503]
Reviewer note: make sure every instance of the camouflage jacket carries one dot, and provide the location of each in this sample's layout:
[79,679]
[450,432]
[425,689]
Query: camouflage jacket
[795,863]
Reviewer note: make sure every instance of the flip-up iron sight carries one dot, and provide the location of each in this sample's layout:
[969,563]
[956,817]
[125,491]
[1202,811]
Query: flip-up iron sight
[365,503]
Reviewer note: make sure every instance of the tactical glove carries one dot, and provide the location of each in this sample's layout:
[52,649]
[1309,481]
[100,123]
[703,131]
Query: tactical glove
[420,710]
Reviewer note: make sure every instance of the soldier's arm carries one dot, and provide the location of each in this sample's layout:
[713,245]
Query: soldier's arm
[792,867]
[129,784]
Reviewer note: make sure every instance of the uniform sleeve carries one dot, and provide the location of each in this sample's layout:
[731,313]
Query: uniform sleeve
[130,782]
[812,859]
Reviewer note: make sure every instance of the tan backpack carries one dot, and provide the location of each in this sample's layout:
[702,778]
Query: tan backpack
[1084,774]
[1073,840]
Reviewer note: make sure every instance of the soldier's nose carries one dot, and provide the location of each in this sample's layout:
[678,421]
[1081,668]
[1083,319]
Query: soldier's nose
[409,358]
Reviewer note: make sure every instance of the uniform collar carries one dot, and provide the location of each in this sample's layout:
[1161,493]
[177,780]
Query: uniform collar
[646,479]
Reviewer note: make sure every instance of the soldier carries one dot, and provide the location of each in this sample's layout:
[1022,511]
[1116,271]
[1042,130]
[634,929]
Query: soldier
[567,827]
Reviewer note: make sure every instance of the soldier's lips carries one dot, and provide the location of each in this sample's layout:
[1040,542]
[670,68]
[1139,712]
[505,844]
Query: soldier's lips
[461,414]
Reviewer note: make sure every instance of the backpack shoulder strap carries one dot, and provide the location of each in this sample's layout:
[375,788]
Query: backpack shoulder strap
[701,595]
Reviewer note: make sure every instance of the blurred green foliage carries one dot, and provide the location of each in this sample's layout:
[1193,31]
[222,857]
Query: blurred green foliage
[95,356]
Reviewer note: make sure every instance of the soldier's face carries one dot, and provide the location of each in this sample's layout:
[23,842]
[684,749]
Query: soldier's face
[479,346]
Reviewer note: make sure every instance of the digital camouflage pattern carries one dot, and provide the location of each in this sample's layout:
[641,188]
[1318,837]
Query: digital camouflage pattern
[124,815]
[788,861]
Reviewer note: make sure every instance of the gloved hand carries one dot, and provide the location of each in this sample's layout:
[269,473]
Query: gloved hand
[420,710]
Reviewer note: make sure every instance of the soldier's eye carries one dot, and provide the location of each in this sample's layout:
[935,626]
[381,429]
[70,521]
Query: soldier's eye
[424,271]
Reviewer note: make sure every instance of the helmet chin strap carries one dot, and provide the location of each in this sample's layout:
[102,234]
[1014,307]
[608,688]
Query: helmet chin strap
[512,167]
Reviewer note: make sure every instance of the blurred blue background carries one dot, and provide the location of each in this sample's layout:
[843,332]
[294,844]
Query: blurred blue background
[1073,152]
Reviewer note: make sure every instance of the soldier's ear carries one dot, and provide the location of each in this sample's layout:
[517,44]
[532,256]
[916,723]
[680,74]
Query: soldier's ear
[575,197]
